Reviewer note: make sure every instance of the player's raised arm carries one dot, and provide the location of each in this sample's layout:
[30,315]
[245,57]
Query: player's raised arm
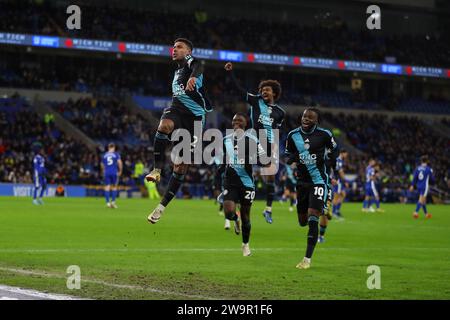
[242,91]
[196,71]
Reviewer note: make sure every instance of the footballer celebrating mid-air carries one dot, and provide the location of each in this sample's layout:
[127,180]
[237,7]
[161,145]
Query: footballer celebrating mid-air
[266,116]
[307,147]
[189,105]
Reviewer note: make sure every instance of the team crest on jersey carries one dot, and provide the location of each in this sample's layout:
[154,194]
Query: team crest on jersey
[307,146]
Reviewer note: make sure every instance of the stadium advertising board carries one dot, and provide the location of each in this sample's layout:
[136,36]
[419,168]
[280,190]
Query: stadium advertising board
[221,55]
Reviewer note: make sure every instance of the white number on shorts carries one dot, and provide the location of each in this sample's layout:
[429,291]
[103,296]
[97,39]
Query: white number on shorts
[250,195]
[318,191]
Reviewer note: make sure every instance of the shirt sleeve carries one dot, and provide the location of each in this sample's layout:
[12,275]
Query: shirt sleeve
[290,151]
[196,68]
[334,150]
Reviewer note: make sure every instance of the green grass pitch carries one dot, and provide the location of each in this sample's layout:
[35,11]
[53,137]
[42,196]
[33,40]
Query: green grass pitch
[188,254]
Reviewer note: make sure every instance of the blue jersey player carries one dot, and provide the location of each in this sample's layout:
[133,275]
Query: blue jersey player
[423,176]
[39,179]
[111,166]
[339,192]
[371,188]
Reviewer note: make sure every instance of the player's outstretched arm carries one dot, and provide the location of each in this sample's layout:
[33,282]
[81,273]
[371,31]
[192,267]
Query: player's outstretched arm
[242,91]
[196,71]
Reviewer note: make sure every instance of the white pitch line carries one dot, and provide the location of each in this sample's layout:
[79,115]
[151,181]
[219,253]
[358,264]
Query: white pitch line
[108,284]
[34,294]
[93,250]
[137,250]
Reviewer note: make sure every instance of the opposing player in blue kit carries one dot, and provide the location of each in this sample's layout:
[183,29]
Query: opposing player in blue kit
[371,191]
[111,167]
[39,179]
[339,189]
[423,176]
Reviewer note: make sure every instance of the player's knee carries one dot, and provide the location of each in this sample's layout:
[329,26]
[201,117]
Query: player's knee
[165,127]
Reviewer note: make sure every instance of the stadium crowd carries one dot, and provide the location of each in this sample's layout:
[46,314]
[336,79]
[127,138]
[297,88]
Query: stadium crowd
[106,120]
[329,38]
[67,161]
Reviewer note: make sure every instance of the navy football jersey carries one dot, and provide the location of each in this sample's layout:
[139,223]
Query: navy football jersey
[238,169]
[264,116]
[309,150]
[196,101]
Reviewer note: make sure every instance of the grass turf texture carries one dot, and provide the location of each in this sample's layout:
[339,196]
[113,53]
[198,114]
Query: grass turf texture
[188,254]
